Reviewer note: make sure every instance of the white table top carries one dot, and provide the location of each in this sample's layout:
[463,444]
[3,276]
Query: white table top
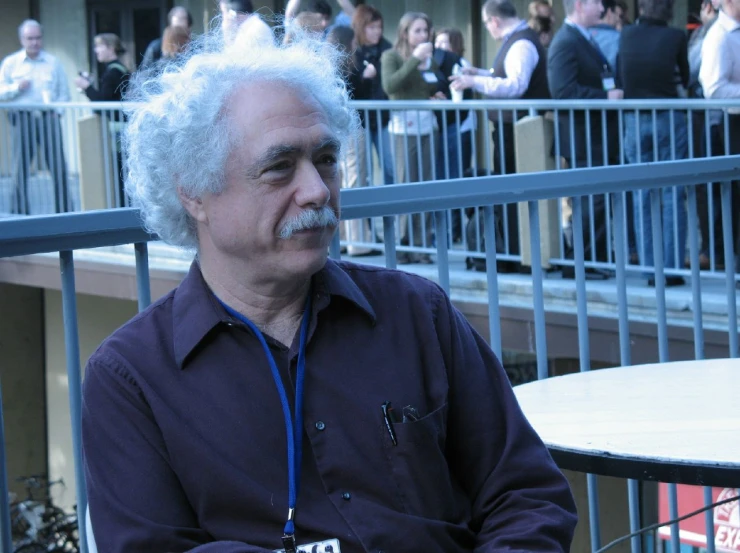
[685,413]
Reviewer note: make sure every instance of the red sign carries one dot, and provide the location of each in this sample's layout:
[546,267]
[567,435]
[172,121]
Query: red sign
[692,531]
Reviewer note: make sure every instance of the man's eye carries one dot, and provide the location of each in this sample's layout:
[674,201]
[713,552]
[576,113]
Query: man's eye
[278,167]
[328,159]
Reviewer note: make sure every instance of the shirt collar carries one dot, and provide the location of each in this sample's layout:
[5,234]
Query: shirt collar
[727,22]
[41,56]
[196,311]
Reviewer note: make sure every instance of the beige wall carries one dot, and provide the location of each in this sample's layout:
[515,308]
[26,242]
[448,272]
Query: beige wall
[22,377]
[97,317]
[65,36]
[13,12]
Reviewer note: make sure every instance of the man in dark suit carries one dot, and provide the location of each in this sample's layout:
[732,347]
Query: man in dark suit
[577,69]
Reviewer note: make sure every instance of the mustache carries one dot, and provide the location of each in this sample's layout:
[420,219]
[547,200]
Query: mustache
[308,220]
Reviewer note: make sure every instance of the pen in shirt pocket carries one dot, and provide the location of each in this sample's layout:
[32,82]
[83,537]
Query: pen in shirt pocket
[389,418]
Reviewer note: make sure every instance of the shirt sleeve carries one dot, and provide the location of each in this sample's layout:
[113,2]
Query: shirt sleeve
[8,88]
[136,500]
[520,62]
[395,72]
[111,81]
[521,502]
[716,68]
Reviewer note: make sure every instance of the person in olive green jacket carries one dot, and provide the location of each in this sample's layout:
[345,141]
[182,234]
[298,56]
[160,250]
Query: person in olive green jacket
[408,72]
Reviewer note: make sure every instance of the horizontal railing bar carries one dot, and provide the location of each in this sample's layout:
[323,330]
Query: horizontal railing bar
[51,233]
[506,105]
[375,201]
[73,231]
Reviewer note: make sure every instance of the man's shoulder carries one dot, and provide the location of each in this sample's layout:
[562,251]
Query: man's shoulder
[148,328]
[378,284]
[13,58]
[563,39]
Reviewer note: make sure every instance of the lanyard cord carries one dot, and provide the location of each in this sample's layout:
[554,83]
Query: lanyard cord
[293,428]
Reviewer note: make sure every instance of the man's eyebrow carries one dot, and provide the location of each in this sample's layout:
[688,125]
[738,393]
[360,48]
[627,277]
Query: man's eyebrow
[279,151]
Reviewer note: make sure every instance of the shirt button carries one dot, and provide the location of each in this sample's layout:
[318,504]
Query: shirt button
[320,425]
[346,496]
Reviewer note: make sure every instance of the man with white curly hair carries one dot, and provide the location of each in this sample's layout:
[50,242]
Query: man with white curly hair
[277,400]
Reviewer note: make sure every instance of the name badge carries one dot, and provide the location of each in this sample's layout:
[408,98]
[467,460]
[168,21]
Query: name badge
[326,546]
[607,81]
[430,77]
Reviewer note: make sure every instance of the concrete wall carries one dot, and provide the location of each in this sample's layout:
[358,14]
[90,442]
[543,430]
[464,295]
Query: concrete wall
[22,377]
[13,11]
[65,36]
[97,317]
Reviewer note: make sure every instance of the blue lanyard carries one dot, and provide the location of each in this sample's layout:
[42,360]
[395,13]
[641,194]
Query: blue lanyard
[293,428]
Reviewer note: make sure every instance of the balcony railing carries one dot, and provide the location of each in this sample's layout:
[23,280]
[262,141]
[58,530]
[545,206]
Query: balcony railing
[67,157]
[65,234]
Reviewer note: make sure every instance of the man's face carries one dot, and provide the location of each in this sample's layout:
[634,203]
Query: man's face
[492,25]
[32,40]
[180,19]
[732,8]
[590,11]
[283,162]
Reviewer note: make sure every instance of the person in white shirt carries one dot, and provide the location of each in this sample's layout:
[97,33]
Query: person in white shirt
[719,76]
[29,78]
[519,71]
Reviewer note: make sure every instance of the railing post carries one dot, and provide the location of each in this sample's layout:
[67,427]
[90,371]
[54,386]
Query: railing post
[74,378]
[5,530]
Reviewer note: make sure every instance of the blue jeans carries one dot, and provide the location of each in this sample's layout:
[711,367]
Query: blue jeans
[642,141]
[381,139]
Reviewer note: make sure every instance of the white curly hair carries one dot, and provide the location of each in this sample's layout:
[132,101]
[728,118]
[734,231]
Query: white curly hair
[178,135]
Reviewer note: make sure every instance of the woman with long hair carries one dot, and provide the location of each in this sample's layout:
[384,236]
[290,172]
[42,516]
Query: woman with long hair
[367,24]
[410,73]
[111,87]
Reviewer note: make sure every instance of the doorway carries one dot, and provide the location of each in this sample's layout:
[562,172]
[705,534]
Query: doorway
[136,22]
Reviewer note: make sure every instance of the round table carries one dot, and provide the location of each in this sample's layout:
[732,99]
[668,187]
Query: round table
[671,422]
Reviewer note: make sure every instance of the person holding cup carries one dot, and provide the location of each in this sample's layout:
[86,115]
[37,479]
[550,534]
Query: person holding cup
[410,73]
[30,78]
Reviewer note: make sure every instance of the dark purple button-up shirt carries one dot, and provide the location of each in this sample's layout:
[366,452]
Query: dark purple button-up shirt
[185,443]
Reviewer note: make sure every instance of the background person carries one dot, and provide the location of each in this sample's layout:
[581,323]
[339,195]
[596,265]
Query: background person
[578,70]
[113,81]
[176,17]
[33,76]
[186,428]
[410,73]
[367,24]
[649,52]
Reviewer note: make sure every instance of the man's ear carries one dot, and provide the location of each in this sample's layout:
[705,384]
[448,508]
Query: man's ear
[194,206]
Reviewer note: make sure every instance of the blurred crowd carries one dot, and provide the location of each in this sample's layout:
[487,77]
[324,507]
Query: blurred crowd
[596,53]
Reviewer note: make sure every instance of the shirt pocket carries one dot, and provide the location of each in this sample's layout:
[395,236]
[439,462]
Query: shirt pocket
[419,466]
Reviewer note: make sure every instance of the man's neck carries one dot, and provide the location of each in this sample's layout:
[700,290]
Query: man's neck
[576,20]
[509,27]
[274,306]
[33,57]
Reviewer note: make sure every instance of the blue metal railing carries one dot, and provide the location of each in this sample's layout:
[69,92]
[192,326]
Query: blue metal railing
[66,233]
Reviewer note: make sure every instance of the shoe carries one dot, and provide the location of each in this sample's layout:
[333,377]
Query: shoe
[508,266]
[363,252]
[425,259]
[591,274]
[403,258]
[669,281]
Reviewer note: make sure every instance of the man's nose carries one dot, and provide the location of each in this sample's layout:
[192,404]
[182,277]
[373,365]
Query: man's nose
[312,191]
